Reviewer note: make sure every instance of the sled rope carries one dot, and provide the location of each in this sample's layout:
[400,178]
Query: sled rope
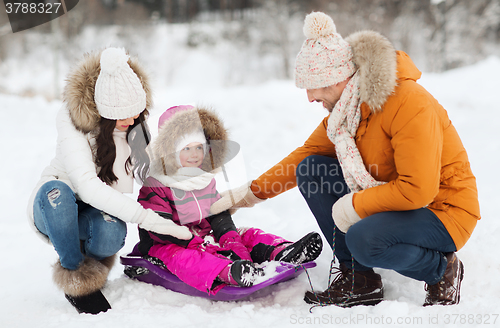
[322,304]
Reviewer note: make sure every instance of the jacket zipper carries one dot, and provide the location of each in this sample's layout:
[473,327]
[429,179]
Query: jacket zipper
[199,208]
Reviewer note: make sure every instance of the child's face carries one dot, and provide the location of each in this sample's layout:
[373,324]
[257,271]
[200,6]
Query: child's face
[191,155]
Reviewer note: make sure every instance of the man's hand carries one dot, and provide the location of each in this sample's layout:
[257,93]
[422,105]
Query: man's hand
[343,213]
[234,199]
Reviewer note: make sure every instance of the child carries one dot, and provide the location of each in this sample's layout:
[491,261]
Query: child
[190,147]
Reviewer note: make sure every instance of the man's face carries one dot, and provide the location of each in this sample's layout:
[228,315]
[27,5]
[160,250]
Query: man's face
[328,95]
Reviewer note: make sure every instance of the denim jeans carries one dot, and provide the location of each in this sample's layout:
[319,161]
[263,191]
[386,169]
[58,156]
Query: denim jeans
[74,227]
[412,243]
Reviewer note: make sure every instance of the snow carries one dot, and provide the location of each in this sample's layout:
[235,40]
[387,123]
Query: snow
[268,120]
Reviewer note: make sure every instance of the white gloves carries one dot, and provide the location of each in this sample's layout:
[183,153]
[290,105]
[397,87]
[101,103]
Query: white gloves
[154,222]
[343,213]
[235,199]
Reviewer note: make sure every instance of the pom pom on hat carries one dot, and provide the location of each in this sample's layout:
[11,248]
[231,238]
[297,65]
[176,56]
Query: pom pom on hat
[118,91]
[113,59]
[318,24]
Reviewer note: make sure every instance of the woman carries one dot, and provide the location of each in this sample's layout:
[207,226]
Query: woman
[78,205]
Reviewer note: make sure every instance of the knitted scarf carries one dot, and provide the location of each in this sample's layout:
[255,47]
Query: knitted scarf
[186,178]
[342,126]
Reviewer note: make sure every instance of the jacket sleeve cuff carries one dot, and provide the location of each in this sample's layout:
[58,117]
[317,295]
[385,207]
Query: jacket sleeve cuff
[256,190]
[356,203]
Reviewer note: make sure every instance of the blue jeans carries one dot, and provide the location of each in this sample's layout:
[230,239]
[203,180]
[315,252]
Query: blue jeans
[74,227]
[412,243]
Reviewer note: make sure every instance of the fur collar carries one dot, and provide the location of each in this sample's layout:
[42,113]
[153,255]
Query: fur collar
[376,60]
[78,94]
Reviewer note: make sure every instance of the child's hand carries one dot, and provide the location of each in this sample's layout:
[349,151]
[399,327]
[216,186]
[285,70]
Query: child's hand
[196,243]
[235,199]
[231,240]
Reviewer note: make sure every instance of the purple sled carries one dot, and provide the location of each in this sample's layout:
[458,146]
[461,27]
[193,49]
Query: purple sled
[150,273]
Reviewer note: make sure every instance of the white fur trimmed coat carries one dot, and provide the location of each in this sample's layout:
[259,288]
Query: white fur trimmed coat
[77,124]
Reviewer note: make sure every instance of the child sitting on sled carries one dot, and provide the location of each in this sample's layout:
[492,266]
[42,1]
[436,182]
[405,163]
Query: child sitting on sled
[191,146]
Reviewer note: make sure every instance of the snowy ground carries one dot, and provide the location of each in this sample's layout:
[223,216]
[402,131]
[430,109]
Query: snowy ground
[268,120]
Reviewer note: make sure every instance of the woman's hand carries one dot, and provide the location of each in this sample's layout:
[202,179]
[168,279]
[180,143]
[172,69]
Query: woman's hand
[155,223]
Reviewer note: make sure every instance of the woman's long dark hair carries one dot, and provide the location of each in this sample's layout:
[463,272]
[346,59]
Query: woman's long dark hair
[105,149]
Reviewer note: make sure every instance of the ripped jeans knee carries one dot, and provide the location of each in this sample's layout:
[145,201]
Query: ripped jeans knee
[54,201]
[55,213]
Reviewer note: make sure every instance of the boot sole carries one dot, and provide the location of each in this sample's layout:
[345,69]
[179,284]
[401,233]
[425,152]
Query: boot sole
[460,281]
[245,273]
[367,299]
[312,245]
[94,303]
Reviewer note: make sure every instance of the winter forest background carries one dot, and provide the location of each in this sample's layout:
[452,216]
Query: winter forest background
[256,40]
[237,56]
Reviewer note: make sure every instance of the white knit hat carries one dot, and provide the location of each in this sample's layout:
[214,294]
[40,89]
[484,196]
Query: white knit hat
[325,58]
[197,136]
[118,90]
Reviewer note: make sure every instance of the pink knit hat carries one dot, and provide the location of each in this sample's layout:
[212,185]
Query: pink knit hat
[325,58]
[170,112]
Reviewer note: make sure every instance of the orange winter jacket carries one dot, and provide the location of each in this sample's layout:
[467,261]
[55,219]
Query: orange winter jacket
[411,144]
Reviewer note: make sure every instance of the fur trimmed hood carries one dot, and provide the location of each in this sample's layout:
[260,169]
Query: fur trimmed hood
[78,94]
[163,148]
[376,60]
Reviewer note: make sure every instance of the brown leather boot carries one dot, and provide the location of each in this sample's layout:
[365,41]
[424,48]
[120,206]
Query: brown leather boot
[368,289]
[447,290]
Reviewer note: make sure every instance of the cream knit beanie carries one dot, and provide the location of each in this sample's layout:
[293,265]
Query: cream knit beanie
[325,58]
[118,90]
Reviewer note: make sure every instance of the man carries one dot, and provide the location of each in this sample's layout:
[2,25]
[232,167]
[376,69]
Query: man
[385,174]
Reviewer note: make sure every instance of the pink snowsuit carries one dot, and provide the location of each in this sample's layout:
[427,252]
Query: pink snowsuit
[199,263]
[196,262]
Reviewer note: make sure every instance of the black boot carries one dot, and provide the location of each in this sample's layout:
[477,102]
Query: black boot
[93,303]
[245,273]
[447,290]
[306,249]
[368,289]
[82,286]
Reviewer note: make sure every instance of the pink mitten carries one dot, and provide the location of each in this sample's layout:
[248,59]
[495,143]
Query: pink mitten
[231,240]
[196,243]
